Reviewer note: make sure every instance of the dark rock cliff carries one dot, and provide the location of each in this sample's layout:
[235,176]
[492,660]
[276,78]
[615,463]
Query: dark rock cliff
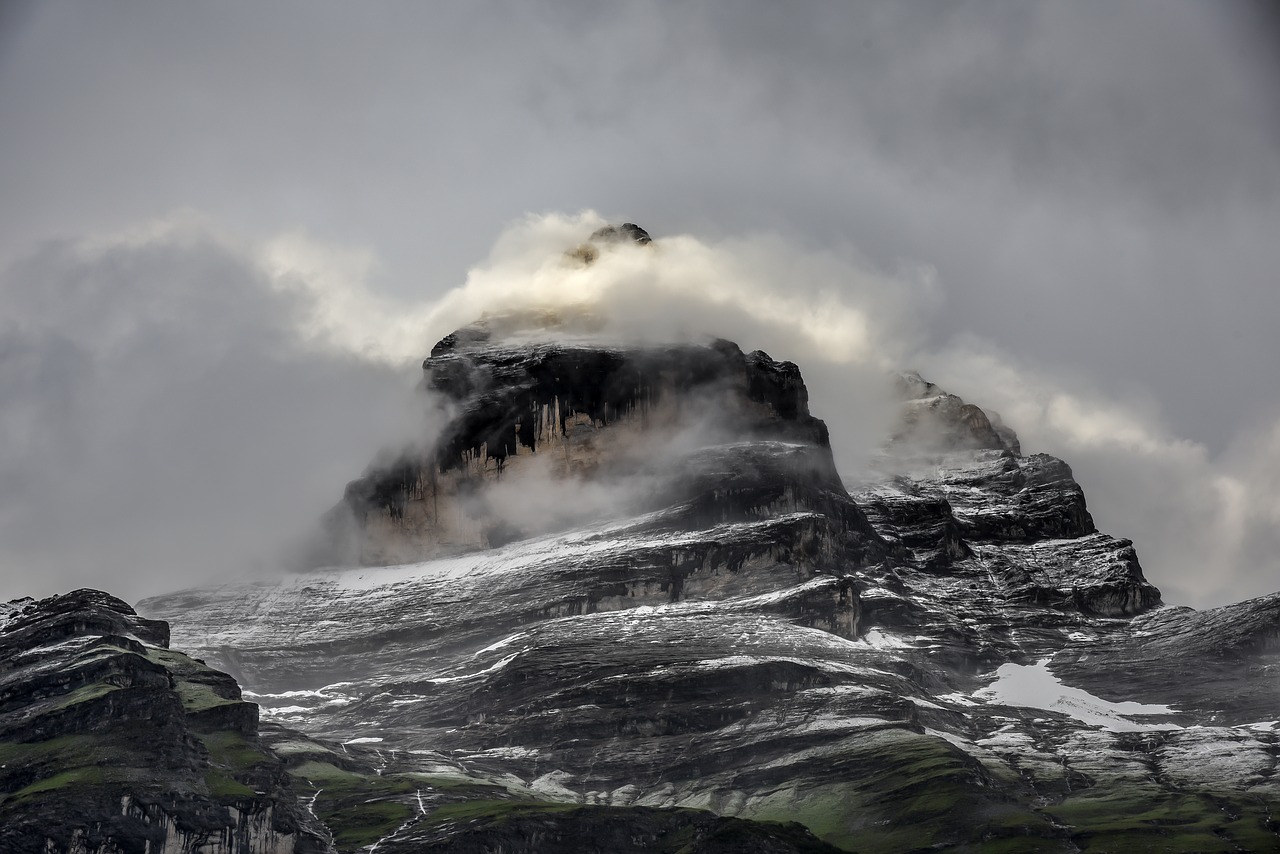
[725,432]
[112,742]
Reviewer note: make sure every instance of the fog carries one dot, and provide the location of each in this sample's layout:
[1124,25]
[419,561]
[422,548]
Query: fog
[168,417]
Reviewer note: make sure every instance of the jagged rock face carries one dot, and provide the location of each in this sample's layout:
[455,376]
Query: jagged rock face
[934,419]
[1039,543]
[628,231]
[545,436]
[111,742]
[756,641]
[1222,665]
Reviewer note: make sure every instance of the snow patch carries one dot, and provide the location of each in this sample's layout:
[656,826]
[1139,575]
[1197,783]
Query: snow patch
[553,786]
[507,641]
[497,665]
[1035,687]
[878,639]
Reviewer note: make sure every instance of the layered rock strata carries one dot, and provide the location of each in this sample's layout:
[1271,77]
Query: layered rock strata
[112,742]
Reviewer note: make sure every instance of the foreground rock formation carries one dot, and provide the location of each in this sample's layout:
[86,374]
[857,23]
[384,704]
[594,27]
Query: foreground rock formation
[111,741]
[625,602]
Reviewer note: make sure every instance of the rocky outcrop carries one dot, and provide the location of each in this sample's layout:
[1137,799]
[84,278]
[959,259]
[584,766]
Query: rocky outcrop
[610,235]
[112,742]
[628,231]
[1233,652]
[545,436]
[935,420]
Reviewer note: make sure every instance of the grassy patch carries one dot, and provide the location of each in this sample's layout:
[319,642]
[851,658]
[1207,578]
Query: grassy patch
[363,824]
[496,810]
[56,763]
[335,781]
[196,697]
[83,695]
[64,780]
[232,750]
[898,790]
[231,756]
[64,750]
[168,658]
[1149,819]
[324,774]
[360,808]
[224,787]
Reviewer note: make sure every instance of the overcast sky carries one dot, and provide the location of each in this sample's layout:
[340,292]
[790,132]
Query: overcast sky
[1089,191]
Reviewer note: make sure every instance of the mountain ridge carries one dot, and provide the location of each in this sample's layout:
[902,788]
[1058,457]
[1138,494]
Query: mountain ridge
[627,588]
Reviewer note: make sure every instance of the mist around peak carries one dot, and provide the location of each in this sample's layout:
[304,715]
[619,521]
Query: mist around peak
[180,404]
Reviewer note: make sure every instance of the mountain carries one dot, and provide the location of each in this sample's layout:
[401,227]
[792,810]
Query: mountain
[625,602]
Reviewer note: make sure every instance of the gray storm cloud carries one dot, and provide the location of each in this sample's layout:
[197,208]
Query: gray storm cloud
[166,416]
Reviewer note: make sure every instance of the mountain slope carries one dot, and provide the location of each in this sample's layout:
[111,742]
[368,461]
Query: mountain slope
[708,619]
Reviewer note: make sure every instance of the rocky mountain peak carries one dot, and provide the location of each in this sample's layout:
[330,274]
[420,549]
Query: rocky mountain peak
[628,231]
[81,612]
[622,600]
[935,420]
[627,234]
[539,404]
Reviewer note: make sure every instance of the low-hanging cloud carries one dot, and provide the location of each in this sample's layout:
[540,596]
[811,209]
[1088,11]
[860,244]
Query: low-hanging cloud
[827,305]
[178,405]
[844,321]
[165,416]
